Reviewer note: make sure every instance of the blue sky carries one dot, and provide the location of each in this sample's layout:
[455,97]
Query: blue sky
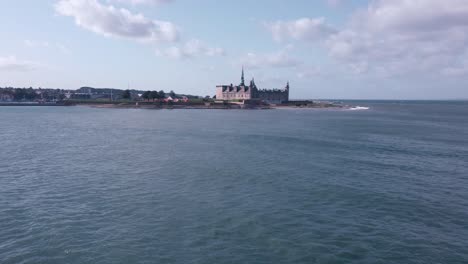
[382,49]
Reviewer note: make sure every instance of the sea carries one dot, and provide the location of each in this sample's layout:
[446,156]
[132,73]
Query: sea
[386,182]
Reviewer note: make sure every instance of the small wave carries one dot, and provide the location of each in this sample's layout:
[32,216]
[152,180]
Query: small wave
[355,108]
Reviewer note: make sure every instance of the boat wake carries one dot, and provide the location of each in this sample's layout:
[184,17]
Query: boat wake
[356,108]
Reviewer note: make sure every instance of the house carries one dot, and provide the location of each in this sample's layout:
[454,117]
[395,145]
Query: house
[6,97]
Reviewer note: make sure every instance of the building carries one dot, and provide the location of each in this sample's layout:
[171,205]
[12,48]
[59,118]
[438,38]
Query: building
[251,92]
[6,96]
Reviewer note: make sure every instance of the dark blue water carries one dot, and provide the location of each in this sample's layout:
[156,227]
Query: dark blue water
[84,185]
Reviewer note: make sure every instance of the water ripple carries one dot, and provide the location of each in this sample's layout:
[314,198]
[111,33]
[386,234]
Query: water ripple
[387,185]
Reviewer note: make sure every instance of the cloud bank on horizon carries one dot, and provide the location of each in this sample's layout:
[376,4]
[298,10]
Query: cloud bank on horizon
[406,40]
[391,37]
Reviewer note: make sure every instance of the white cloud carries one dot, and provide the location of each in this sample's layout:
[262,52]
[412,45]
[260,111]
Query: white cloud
[300,29]
[392,37]
[11,63]
[191,49]
[110,21]
[278,59]
[402,36]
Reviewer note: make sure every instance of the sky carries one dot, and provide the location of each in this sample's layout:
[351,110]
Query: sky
[336,49]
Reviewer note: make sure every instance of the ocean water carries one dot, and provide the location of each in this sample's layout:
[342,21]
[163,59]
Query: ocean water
[86,185]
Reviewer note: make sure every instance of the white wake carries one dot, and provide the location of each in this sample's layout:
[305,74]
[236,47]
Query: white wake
[355,108]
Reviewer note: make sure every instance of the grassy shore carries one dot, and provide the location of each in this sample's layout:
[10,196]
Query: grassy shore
[191,104]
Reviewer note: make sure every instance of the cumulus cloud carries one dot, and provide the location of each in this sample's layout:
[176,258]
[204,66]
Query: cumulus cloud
[191,49]
[401,36]
[110,21]
[11,63]
[300,29]
[392,37]
[278,59]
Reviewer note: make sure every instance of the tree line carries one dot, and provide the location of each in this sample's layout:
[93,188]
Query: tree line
[155,95]
[30,94]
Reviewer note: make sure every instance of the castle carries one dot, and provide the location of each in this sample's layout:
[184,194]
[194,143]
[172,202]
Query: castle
[251,92]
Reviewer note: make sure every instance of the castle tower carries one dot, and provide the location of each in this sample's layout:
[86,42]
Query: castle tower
[242,77]
[252,83]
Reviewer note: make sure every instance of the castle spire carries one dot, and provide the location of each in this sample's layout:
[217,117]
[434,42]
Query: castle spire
[252,83]
[287,86]
[242,77]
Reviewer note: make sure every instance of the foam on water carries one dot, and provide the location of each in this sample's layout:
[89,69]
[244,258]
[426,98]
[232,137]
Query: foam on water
[355,108]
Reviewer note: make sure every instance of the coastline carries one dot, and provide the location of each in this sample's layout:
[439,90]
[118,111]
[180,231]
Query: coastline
[207,105]
[185,106]
[216,107]
[170,107]
[30,104]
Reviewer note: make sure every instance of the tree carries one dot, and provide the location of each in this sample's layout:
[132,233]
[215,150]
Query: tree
[172,94]
[146,95]
[44,95]
[162,94]
[154,95]
[127,94]
[30,94]
[19,94]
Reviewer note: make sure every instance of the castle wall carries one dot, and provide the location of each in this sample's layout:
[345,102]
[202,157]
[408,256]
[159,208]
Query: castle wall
[275,97]
[242,93]
[233,93]
[219,93]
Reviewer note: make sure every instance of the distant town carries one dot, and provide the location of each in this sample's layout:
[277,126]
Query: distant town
[47,95]
[227,96]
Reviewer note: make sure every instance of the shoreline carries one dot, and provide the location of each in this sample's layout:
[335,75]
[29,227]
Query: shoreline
[207,106]
[174,107]
[214,107]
